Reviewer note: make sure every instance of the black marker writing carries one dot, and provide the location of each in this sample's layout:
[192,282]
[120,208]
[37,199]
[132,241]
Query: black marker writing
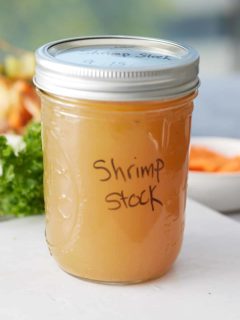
[96,166]
[117,200]
[112,170]
[109,170]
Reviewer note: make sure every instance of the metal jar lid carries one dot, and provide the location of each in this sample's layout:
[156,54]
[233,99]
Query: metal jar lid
[117,68]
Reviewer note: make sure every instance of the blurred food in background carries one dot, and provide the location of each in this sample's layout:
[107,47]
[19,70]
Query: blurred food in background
[21,163]
[204,159]
[19,102]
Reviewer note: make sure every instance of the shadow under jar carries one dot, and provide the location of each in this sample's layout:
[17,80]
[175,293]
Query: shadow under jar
[116,118]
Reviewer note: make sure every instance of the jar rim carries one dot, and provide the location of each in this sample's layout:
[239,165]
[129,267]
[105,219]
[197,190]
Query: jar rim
[92,106]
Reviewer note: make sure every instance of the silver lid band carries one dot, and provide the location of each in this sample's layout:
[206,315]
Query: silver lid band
[117,68]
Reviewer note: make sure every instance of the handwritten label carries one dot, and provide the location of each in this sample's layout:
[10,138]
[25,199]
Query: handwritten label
[110,170]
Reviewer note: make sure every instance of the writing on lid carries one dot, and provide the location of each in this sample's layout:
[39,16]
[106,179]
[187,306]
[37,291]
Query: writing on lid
[115,57]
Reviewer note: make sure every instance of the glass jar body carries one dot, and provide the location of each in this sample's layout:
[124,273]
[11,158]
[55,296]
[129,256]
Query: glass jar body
[115,178]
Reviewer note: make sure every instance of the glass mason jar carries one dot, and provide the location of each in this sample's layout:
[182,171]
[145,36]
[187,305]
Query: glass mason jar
[116,118]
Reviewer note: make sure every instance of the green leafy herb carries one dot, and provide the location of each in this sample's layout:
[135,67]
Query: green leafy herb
[21,175]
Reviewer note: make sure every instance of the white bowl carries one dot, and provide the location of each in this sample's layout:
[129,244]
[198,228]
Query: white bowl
[220,191]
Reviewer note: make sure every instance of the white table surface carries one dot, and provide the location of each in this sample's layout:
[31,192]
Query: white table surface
[203,284]
[235,216]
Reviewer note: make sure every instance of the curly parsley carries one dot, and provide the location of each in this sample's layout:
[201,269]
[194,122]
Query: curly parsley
[21,175]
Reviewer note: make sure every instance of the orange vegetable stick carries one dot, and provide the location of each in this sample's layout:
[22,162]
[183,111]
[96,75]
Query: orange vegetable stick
[232,165]
[203,159]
